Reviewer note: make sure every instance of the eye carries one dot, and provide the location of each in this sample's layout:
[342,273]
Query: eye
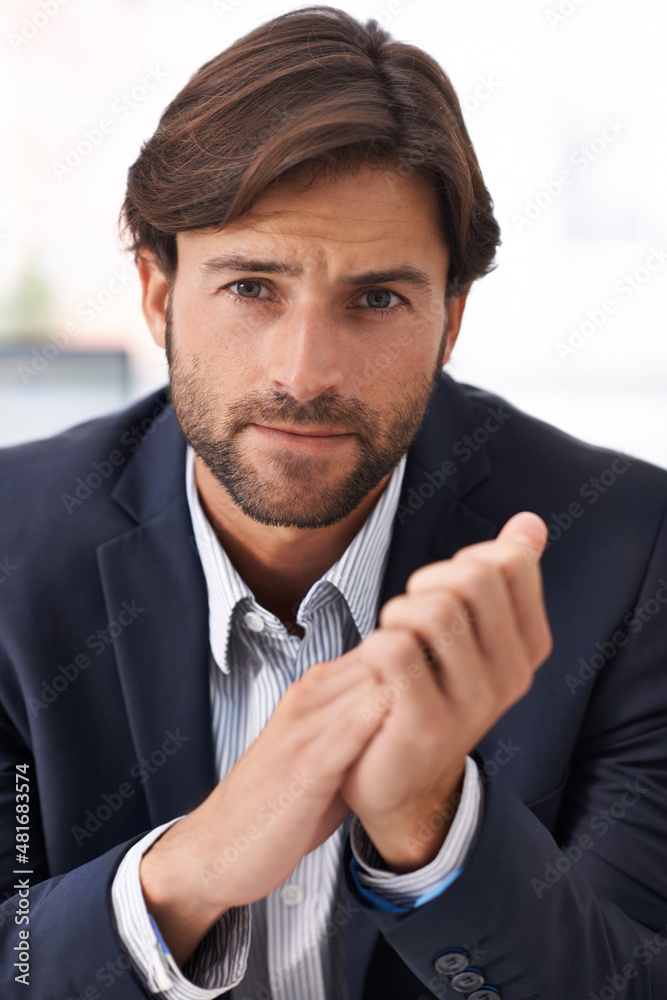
[379,300]
[247,288]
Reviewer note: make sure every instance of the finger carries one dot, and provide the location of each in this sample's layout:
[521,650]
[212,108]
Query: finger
[471,631]
[526,528]
[482,603]
[519,569]
[324,740]
[398,658]
[519,565]
[320,690]
[327,680]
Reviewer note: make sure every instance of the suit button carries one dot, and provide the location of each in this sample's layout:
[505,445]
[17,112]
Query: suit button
[449,962]
[486,993]
[471,979]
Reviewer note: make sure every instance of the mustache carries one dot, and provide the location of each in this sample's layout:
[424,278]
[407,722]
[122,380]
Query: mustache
[332,413]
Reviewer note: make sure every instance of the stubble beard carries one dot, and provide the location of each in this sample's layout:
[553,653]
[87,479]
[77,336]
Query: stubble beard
[292,489]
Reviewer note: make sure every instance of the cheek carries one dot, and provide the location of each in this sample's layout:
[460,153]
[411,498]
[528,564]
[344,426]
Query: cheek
[389,371]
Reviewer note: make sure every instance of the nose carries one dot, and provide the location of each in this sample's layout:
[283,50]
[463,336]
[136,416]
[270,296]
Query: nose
[306,353]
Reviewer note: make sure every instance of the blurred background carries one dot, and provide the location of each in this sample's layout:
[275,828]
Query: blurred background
[565,104]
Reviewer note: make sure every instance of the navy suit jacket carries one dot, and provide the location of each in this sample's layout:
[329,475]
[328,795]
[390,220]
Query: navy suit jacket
[104,660]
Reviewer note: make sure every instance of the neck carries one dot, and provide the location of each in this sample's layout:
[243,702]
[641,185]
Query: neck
[278,564]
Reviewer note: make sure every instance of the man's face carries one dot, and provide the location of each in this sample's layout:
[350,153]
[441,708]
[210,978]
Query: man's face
[330,318]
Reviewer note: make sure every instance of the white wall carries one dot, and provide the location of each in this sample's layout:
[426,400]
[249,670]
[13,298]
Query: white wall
[539,87]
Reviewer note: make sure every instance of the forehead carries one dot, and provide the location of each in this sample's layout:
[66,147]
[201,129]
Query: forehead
[370,212]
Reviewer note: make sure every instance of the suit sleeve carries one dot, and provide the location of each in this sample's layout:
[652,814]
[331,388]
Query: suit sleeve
[70,946]
[582,913]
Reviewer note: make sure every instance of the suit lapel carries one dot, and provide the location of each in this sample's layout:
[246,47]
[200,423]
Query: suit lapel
[163,654]
[432,520]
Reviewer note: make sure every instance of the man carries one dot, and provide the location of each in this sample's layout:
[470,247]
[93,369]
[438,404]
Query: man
[272,719]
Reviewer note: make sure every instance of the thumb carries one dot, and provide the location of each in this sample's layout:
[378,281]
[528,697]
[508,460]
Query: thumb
[528,528]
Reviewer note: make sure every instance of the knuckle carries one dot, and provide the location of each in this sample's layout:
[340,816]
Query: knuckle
[293,698]
[391,609]
[485,701]
[415,579]
[445,606]
[298,697]
[515,560]
[475,571]
[547,647]
[393,643]
[522,679]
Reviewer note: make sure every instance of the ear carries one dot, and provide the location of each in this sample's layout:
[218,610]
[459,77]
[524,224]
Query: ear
[454,317]
[154,294]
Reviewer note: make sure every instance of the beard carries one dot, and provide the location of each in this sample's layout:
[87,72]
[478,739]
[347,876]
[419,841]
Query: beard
[287,488]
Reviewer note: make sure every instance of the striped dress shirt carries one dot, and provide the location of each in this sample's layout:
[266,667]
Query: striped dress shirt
[286,946]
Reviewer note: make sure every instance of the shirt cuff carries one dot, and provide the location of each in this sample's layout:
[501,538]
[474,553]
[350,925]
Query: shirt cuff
[398,893]
[217,965]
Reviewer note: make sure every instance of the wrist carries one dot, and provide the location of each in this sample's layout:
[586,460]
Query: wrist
[409,841]
[183,907]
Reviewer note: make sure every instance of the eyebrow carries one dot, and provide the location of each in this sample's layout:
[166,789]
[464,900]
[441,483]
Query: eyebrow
[234,262]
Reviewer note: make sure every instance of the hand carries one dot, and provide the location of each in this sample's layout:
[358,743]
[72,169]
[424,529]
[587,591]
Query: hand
[457,650]
[277,803]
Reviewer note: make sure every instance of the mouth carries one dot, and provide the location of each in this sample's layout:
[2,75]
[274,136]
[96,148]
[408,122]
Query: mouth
[313,439]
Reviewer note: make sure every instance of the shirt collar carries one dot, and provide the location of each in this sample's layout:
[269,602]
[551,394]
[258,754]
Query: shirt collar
[357,575]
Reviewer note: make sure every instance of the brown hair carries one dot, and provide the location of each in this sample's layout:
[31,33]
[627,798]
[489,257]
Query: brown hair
[313,86]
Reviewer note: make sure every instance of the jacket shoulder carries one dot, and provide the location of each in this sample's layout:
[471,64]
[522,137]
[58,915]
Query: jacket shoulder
[532,447]
[44,481]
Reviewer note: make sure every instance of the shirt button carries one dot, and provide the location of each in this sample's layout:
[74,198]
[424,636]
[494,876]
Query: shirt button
[253,621]
[291,894]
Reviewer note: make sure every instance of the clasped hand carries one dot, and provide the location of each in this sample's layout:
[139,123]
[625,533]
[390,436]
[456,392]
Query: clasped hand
[454,652]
